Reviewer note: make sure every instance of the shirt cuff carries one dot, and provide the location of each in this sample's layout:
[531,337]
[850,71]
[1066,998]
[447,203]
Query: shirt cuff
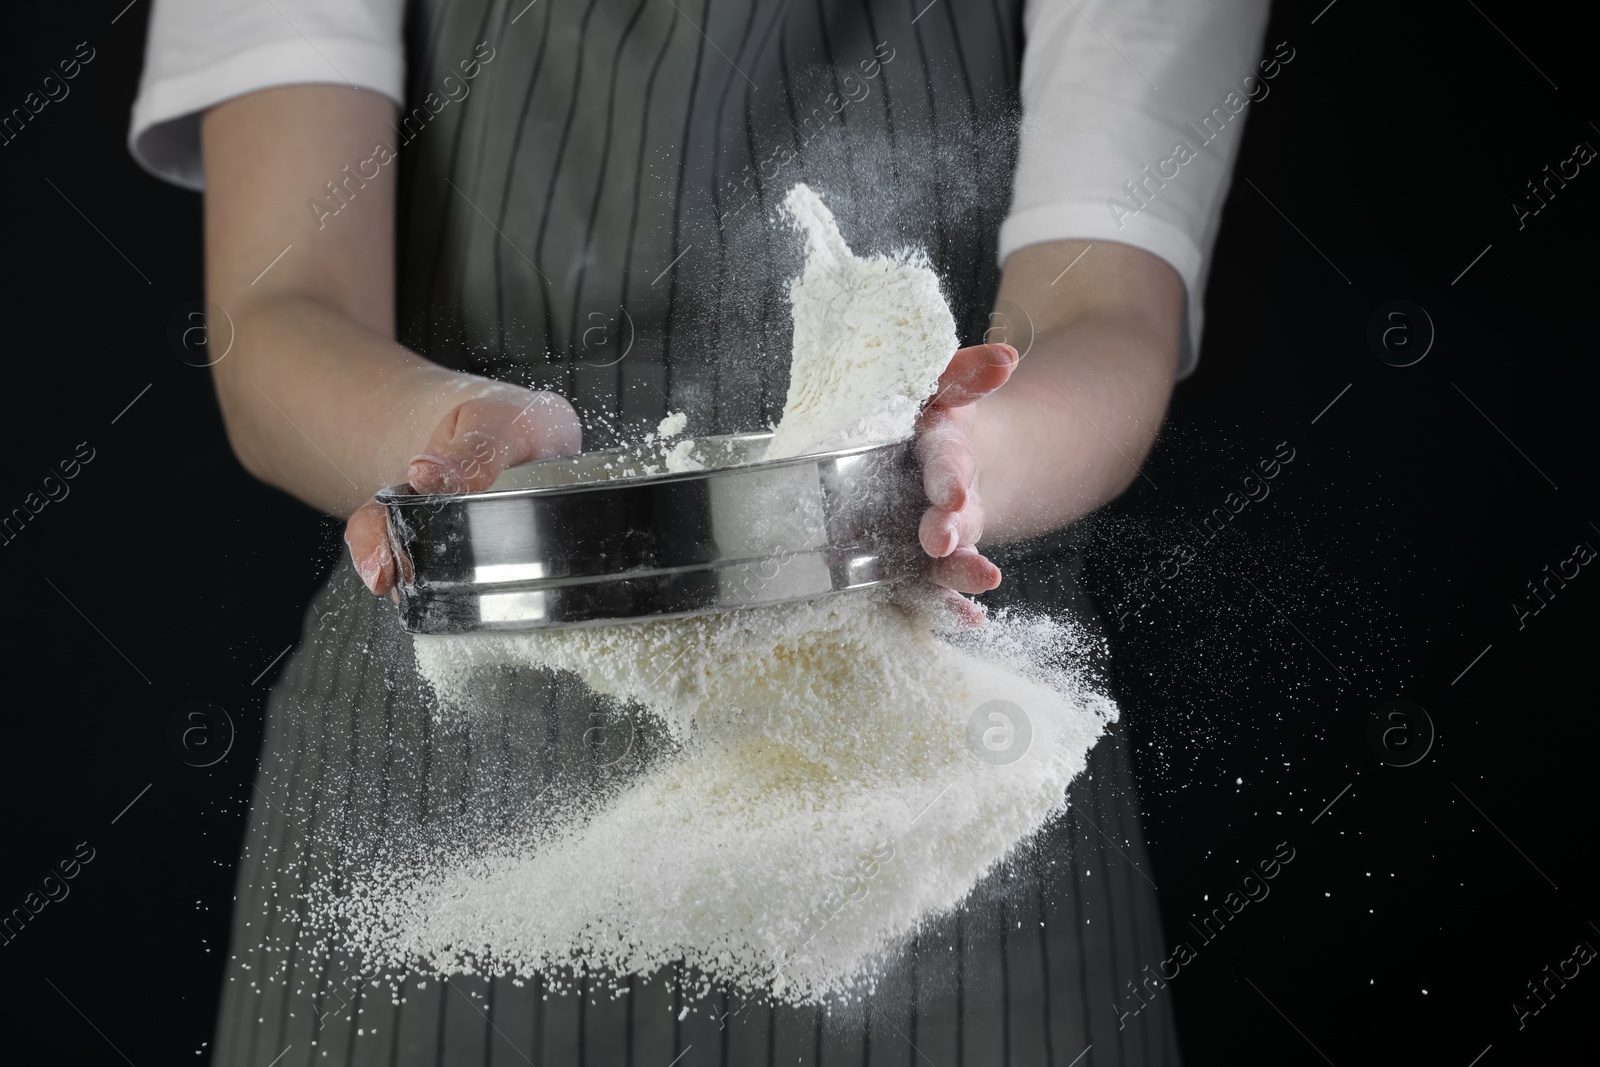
[165,134]
[1085,220]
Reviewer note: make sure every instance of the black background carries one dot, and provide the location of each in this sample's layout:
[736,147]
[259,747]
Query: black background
[1386,558]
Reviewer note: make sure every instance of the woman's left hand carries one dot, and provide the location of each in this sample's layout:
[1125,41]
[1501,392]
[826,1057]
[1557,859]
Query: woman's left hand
[953,522]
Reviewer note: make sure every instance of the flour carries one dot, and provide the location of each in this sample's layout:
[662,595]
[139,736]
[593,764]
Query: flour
[812,735]
[871,337]
[835,777]
[680,457]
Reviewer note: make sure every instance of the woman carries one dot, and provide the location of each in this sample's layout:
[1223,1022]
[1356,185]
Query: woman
[562,209]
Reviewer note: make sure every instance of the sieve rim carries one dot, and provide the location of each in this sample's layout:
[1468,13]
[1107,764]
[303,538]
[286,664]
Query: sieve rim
[403,495]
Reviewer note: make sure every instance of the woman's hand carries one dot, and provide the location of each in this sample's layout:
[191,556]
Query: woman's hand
[318,398]
[472,444]
[1069,431]
[953,522]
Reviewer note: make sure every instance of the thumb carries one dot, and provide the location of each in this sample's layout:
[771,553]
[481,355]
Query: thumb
[974,373]
[480,438]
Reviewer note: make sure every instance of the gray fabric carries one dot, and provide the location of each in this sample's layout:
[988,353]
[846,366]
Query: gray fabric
[609,140]
[604,142]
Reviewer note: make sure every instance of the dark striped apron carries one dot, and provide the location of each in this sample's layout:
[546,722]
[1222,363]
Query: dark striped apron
[587,205]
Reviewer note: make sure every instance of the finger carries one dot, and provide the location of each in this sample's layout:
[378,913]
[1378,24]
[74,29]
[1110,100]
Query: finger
[941,532]
[366,533]
[965,570]
[974,373]
[480,438]
[948,465]
[933,607]
[968,613]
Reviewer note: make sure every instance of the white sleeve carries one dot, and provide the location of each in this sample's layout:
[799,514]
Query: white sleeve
[201,52]
[1132,111]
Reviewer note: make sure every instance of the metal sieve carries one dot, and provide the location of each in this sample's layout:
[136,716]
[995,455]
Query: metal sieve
[612,535]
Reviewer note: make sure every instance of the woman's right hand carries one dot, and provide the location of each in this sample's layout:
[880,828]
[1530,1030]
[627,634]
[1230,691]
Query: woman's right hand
[473,443]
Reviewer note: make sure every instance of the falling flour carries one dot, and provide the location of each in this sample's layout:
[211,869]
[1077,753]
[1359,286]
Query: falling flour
[837,775]
[871,336]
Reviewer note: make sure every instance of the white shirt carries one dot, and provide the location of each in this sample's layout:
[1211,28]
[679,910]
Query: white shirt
[1132,109]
